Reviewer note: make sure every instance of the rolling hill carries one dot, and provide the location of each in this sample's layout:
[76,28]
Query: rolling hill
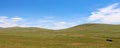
[103,30]
[80,36]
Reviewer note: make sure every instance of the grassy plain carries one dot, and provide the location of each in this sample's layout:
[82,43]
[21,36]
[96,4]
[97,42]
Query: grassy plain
[81,36]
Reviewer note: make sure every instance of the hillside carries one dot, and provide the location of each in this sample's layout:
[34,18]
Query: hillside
[102,30]
[95,27]
[81,36]
[24,29]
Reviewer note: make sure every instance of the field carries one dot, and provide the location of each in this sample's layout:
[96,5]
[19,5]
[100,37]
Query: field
[81,36]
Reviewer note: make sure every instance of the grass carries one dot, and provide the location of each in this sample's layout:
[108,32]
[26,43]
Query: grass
[81,36]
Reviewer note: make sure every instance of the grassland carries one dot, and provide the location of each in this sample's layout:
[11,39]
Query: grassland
[81,36]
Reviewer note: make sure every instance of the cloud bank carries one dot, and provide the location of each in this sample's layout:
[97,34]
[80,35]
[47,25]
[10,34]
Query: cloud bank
[53,24]
[109,15]
[9,22]
[43,23]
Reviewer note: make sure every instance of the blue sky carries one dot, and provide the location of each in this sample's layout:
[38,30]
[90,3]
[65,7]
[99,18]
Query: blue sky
[58,14]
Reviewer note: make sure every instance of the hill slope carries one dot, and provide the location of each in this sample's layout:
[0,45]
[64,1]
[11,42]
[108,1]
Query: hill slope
[103,30]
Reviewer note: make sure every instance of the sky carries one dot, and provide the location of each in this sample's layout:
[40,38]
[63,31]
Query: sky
[58,14]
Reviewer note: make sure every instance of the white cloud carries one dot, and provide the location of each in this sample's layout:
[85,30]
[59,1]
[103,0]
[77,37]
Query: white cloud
[16,18]
[43,23]
[109,14]
[52,24]
[9,22]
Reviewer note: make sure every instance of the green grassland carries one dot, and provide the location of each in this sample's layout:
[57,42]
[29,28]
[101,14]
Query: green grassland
[81,36]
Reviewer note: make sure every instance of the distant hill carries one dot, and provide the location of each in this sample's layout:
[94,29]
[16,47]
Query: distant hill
[91,27]
[24,29]
[101,30]
[95,28]
[84,28]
